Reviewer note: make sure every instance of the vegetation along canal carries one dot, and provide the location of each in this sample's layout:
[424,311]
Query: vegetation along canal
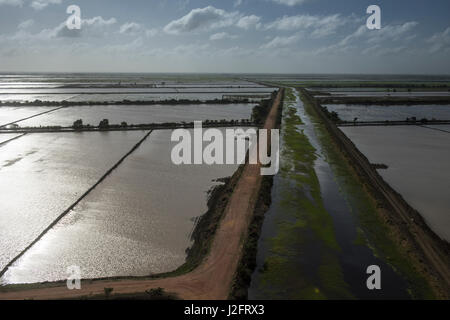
[322,230]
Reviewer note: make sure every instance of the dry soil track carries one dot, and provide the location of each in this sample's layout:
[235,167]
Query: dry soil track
[213,278]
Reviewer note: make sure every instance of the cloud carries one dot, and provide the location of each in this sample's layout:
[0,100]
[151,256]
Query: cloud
[222,36]
[379,51]
[15,3]
[25,24]
[320,26]
[133,28]
[201,19]
[130,28]
[41,4]
[279,41]
[387,33]
[391,32]
[93,27]
[440,41]
[248,22]
[374,40]
[290,3]
[151,32]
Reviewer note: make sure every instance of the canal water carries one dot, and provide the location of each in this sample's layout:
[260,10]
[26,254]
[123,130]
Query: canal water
[294,261]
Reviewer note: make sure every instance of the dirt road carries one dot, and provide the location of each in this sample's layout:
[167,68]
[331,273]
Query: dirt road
[213,278]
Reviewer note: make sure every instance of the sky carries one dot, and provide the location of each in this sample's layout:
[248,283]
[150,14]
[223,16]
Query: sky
[226,36]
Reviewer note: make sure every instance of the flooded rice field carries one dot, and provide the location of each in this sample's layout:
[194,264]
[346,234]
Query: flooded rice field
[418,166]
[11,114]
[116,88]
[114,97]
[139,114]
[137,222]
[391,94]
[8,136]
[125,91]
[41,175]
[392,113]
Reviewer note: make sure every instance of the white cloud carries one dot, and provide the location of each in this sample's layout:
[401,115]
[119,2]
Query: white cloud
[200,19]
[320,26]
[290,2]
[222,36]
[237,3]
[133,29]
[387,33]
[93,27]
[248,22]
[25,24]
[15,3]
[440,41]
[151,32]
[379,51]
[373,40]
[391,32]
[130,28]
[41,4]
[279,41]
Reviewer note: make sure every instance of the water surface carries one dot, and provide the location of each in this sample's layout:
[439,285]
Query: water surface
[139,114]
[392,113]
[418,161]
[41,175]
[136,222]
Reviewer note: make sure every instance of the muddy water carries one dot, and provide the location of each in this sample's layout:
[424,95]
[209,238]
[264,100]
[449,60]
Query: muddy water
[42,174]
[418,161]
[306,267]
[136,222]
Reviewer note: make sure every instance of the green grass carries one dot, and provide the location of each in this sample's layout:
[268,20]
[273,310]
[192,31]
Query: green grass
[373,230]
[301,221]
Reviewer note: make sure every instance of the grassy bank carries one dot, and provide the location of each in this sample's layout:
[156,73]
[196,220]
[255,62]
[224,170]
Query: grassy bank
[376,229]
[301,224]
[247,264]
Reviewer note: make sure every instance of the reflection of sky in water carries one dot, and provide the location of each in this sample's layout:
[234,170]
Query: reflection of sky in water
[7,136]
[384,93]
[119,94]
[419,166]
[42,174]
[11,114]
[136,222]
[395,112]
[136,114]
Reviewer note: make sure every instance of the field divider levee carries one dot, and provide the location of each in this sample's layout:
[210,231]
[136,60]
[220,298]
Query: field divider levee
[211,279]
[73,205]
[138,92]
[33,116]
[138,127]
[12,139]
[434,250]
[437,129]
